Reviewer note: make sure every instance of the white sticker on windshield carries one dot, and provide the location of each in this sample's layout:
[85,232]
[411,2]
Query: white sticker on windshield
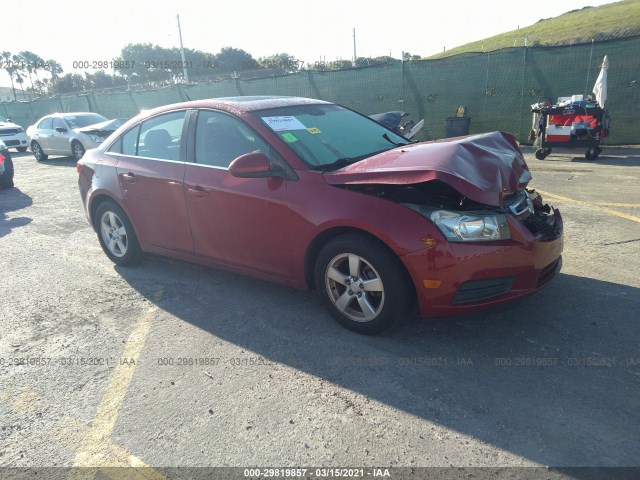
[280,124]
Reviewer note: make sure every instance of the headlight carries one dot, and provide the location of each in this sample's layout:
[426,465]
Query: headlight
[467,226]
[20,130]
[96,139]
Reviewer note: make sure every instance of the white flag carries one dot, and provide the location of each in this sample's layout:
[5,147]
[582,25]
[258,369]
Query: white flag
[600,88]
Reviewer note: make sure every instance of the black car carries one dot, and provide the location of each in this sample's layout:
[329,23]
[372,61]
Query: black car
[6,167]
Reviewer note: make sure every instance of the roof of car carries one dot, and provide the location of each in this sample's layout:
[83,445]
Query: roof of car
[261,102]
[244,103]
[68,114]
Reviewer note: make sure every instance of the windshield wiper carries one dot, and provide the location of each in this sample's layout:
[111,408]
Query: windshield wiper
[386,137]
[339,163]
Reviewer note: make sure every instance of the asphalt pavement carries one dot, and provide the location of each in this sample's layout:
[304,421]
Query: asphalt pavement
[168,364]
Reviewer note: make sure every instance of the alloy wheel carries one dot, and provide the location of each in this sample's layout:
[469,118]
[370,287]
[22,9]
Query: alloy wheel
[355,288]
[114,234]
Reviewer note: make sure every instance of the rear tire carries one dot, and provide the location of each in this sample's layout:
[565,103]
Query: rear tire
[543,153]
[37,152]
[363,285]
[6,179]
[116,234]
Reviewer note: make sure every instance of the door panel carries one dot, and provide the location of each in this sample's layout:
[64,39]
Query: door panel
[43,134]
[153,188]
[154,192]
[241,221]
[59,141]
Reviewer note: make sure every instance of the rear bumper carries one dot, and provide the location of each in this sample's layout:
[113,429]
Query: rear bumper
[464,278]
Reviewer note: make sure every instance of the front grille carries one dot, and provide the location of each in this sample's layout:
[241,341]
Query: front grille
[519,203]
[8,131]
[548,272]
[11,143]
[477,290]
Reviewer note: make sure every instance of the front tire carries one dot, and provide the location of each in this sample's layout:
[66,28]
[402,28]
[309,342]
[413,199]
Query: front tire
[77,150]
[363,285]
[116,234]
[592,153]
[37,152]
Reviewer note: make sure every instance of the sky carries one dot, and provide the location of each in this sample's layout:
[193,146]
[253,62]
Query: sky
[72,30]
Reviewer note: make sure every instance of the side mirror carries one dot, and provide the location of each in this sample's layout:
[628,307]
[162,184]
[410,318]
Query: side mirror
[251,165]
[61,130]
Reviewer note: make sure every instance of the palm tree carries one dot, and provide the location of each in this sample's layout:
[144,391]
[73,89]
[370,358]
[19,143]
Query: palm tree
[33,63]
[8,67]
[19,68]
[55,69]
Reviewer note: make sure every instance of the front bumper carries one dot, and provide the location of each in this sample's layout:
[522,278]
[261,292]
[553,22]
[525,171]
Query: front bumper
[455,278]
[13,139]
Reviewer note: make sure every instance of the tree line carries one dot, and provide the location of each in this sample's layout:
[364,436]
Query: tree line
[151,65]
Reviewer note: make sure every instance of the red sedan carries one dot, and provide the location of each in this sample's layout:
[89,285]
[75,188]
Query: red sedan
[314,195]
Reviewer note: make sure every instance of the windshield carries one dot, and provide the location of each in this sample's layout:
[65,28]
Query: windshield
[329,137]
[84,120]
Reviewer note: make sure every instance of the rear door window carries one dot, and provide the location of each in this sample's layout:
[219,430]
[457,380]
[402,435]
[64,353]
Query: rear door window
[46,124]
[160,137]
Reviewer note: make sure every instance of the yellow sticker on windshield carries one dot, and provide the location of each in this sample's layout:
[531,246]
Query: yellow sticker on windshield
[289,137]
[314,130]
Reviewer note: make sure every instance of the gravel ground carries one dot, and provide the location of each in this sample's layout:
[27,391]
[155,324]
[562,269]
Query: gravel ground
[169,364]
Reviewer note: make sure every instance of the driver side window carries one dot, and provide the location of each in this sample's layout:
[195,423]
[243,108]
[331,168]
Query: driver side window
[220,138]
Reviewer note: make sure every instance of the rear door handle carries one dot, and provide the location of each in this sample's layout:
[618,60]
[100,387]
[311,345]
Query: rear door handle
[198,191]
[129,177]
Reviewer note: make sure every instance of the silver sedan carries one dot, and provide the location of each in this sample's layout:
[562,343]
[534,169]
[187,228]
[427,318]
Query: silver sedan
[66,134]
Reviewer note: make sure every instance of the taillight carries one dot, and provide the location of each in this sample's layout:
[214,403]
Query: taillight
[1,159]
[78,167]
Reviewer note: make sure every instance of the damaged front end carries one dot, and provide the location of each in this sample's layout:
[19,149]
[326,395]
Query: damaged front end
[461,219]
[468,186]
[491,238]
[100,131]
[544,221]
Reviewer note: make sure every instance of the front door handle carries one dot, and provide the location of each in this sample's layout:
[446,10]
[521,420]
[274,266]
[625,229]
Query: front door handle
[198,191]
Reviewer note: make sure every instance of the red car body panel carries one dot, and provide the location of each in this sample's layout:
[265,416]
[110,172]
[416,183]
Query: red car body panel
[522,258]
[154,194]
[254,219]
[267,227]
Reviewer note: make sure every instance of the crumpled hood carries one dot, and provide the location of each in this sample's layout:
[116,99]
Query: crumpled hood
[102,128]
[483,168]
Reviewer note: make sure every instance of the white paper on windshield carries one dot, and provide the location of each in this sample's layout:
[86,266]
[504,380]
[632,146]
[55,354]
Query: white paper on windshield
[280,124]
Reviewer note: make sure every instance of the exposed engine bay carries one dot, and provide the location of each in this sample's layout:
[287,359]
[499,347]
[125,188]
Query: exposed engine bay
[526,205]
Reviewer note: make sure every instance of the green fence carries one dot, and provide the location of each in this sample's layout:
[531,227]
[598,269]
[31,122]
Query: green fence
[496,88]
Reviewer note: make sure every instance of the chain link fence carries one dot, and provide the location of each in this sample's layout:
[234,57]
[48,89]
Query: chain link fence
[495,88]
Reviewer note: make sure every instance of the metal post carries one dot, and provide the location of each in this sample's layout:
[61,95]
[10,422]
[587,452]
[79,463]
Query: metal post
[184,62]
[524,77]
[586,87]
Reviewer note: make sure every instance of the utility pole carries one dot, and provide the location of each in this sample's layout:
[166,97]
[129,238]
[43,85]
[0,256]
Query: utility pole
[354,46]
[184,62]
